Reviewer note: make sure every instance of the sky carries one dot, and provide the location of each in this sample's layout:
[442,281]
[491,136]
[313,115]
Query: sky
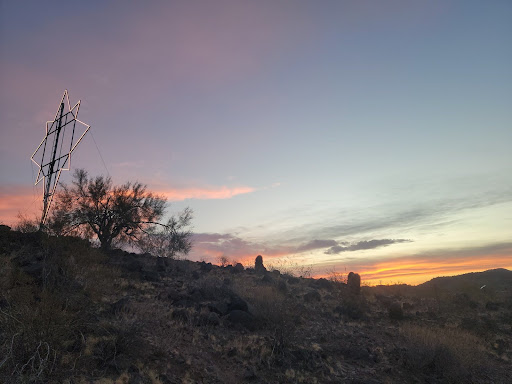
[335,136]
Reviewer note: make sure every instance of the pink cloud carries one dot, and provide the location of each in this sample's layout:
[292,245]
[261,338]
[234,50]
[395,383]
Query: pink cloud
[205,193]
[15,200]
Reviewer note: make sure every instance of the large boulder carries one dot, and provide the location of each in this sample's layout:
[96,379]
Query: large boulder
[258,265]
[245,319]
[354,283]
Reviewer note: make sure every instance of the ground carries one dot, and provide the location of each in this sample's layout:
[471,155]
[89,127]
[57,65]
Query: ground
[72,314]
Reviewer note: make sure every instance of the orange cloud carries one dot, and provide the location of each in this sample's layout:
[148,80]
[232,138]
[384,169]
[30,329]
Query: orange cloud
[179,194]
[27,200]
[15,200]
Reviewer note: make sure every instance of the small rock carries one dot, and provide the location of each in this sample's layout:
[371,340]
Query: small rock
[249,374]
[211,318]
[243,318]
[492,306]
[237,303]
[267,279]
[120,305]
[180,314]
[395,311]
[312,296]
[221,308]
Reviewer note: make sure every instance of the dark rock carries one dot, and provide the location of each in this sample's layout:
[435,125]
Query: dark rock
[267,279]
[120,305]
[3,302]
[384,300]
[210,318]
[238,268]
[34,270]
[184,303]
[180,314]
[322,284]
[221,308]
[170,294]
[281,286]
[356,352]
[292,279]
[351,309]
[206,267]
[237,303]
[133,266]
[354,283]
[276,272]
[258,265]
[312,296]
[492,306]
[407,306]
[249,374]
[395,311]
[242,318]
[151,276]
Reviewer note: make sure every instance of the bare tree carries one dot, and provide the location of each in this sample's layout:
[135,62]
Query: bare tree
[95,208]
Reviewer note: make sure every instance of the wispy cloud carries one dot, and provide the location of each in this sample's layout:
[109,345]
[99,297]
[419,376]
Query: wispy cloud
[203,193]
[363,245]
[210,246]
[316,244]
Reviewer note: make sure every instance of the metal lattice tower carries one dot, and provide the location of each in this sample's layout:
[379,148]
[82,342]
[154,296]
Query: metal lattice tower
[61,133]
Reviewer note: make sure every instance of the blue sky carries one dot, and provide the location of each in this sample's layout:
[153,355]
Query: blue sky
[382,129]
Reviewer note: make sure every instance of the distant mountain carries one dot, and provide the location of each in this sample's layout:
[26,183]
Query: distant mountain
[497,279]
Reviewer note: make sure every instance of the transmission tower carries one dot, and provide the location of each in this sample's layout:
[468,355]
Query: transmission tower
[55,150]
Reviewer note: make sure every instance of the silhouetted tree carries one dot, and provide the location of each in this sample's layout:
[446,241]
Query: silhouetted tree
[95,208]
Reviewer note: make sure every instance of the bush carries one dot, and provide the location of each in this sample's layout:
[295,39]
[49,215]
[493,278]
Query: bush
[454,355]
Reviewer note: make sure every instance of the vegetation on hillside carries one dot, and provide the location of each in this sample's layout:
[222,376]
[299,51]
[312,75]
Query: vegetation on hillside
[71,313]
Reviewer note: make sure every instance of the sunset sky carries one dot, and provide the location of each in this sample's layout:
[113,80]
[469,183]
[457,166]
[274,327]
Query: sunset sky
[366,136]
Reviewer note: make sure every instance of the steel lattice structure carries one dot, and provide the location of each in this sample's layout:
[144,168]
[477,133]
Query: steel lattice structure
[61,134]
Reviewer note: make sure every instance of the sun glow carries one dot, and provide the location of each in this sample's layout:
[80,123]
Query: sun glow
[418,271]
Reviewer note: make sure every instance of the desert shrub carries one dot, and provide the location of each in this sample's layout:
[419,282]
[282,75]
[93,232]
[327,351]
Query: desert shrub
[276,313]
[40,332]
[353,308]
[481,326]
[396,311]
[26,225]
[50,290]
[337,277]
[454,355]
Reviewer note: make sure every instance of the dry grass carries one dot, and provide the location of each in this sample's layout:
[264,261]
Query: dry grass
[452,354]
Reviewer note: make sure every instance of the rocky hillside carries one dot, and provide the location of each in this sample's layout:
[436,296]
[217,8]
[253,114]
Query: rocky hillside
[494,279]
[71,314]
